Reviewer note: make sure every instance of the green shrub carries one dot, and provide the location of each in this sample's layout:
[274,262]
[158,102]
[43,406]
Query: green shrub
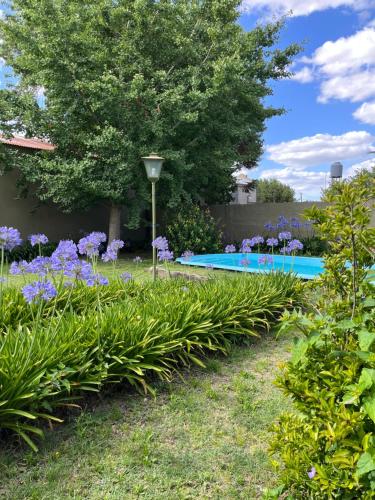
[28,252]
[327,448]
[193,229]
[137,331]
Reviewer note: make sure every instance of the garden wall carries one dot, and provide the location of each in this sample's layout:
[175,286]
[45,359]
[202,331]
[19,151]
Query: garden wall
[242,221]
[29,215]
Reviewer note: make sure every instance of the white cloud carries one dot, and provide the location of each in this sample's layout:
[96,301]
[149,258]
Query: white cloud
[320,149]
[304,75]
[345,67]
[309,183]
[302,7]
[366,113]
[364,165]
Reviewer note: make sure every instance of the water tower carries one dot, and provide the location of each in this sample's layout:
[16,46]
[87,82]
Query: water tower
[336,171]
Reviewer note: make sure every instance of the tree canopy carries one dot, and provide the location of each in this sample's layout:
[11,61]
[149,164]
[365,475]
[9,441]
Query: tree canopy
[122,78]
[273,191]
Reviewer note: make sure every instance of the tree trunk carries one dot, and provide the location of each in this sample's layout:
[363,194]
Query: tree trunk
[114,223]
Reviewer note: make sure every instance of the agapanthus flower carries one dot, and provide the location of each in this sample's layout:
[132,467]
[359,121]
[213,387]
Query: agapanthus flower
[295,223]
[39,290]
[295,245]
[40,265]
[285,235]
[244,262]
[285,250]
[126,277]
[110,254]
[9,237]
[187,255]
[246,246]
[137,259]
[21,267]
[265,259]
[66,250]
[269,226]
[312,473]
[165,255]
[160,243]
[230,249]
[272,242]
[257,240]
[89,245]
[282,222]
[38,239]
[97,279]
[78,269]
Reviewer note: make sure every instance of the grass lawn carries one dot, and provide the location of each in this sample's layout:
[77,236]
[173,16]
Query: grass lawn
[139,272]
[203,437]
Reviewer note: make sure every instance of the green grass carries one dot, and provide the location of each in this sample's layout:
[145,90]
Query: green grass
[202,437]
[140,272]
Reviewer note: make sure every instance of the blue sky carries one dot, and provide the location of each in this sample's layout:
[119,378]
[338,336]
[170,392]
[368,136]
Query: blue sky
[330,101]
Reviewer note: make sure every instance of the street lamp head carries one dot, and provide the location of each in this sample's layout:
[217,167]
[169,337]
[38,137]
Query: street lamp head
[153,164]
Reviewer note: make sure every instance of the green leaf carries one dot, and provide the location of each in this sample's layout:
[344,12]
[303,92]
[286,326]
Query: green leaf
[366,339]
[369,406]
[365,464]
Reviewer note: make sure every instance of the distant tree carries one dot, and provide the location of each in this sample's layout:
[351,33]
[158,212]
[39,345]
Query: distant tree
[122,78]
[273,191]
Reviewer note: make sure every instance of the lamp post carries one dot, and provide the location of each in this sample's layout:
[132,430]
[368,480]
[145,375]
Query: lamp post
[153,164]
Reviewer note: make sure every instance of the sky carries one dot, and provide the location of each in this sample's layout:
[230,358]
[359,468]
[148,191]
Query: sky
[330,100]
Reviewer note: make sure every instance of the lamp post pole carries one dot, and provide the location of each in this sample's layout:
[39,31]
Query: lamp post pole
[153,196]
[153,164]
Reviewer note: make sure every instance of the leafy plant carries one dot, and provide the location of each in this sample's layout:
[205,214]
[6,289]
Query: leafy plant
[194,229]
[132,332]
[327,449]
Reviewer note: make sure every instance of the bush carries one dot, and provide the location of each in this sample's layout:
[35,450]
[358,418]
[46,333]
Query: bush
[327,449]
[194,229]
[28,252]
[124,332]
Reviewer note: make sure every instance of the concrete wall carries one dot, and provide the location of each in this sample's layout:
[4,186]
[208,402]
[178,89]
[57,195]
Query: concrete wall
[29,215]
[243,221]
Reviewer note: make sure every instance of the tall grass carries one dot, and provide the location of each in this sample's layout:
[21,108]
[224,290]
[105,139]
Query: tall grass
[133,331]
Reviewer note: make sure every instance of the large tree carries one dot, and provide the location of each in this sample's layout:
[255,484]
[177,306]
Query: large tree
[273,191]
[122,78]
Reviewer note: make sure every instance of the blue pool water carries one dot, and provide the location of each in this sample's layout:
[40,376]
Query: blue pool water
[305,267]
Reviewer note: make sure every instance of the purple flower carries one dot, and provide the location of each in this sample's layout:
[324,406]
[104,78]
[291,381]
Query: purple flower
[230,249]
[78,269]
[295,223]
[137,260]
[112,250]
[244,262]
[269,226]
[97,279]
[295,245]
[246,246]
[39,290]
[9,237]
[265,259]
[160,243]
[66,250]
[126,277]
[19,267]
[282,222]
[272,242]
[38,239]
[285,250]
[187,255]
[285,235]
[89,245]
[40,265]
[165,255]
[312,473]
[257,240]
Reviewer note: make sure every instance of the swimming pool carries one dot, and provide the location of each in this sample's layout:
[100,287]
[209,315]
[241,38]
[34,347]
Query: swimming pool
[305,267]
